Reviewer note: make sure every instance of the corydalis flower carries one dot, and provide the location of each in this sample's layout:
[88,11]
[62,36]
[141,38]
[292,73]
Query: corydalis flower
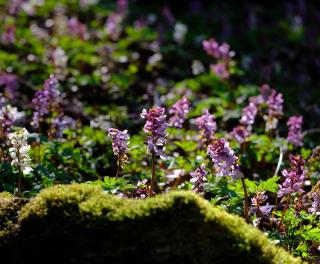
[240,133]
[179,111]
[217,51]
[8,115]
[315,194]
[198,178]
[19,150]
[9,35]
[275,108]
[59,124]
[77,28]
[262,98]
[45,100]
[180,31]
[122,6]
[10,83]
[294,177]
[295,130]
[221,70]
[113,25]
[119,144]
[224,158]
[256,206]
[155,129]
[207,127]
[249,114]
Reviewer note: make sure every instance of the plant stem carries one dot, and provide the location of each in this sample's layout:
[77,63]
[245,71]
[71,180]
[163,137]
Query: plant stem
[19,182]
[245,203]
[118,168]
[153,176]
[284,210]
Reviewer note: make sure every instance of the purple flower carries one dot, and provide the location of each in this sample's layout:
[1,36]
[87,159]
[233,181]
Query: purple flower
[207,126]
[15,6]
[119,144]
[221,70]
[198,178]
[295,130]
[217,51]
[60,124]
[224,158]
[249,114]
[262,98]
[179,110]
[256,207]
[315,207]
[113,25]
[10,83]
[140,192]
[275,103]
[240,133]
[167,14]
[8,116]
[275,108]
[155,129]
[77,28]
[9,35]
[46,100]
[294,177]
[122,6]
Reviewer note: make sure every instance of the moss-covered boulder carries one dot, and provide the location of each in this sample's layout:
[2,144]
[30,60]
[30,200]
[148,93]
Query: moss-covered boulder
[81,224]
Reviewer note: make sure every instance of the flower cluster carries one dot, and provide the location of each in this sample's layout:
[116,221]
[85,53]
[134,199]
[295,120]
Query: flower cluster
[242,131]
[19,150]
[263,96]
[8,115]
[315,207]
[122,6]
[220,69]
[275,108]
[155,129]
[45,100]
[212,47]
[60,124]
[179,110]
[249,114]
[10,83]
[222,53]
[295,130]
[224,159]
[294,177]
[207,126]
[9,35]
[256,204]
[77,28]
[119,144]
[113,25]
[198,178]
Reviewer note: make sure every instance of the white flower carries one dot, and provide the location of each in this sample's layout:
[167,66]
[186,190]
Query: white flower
[19,151]
[180,31]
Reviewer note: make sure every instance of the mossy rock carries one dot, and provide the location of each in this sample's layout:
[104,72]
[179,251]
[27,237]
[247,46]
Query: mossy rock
[79,223]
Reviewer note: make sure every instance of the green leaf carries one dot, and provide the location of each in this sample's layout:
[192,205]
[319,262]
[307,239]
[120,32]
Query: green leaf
[269,185]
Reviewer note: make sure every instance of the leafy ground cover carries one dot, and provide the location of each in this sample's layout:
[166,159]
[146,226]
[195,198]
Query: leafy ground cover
[142,102]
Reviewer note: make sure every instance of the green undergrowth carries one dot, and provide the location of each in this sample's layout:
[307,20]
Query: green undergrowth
[79,223]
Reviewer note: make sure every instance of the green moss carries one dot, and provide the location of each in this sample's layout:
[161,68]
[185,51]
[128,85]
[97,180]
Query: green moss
[80,224]
[9,208]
